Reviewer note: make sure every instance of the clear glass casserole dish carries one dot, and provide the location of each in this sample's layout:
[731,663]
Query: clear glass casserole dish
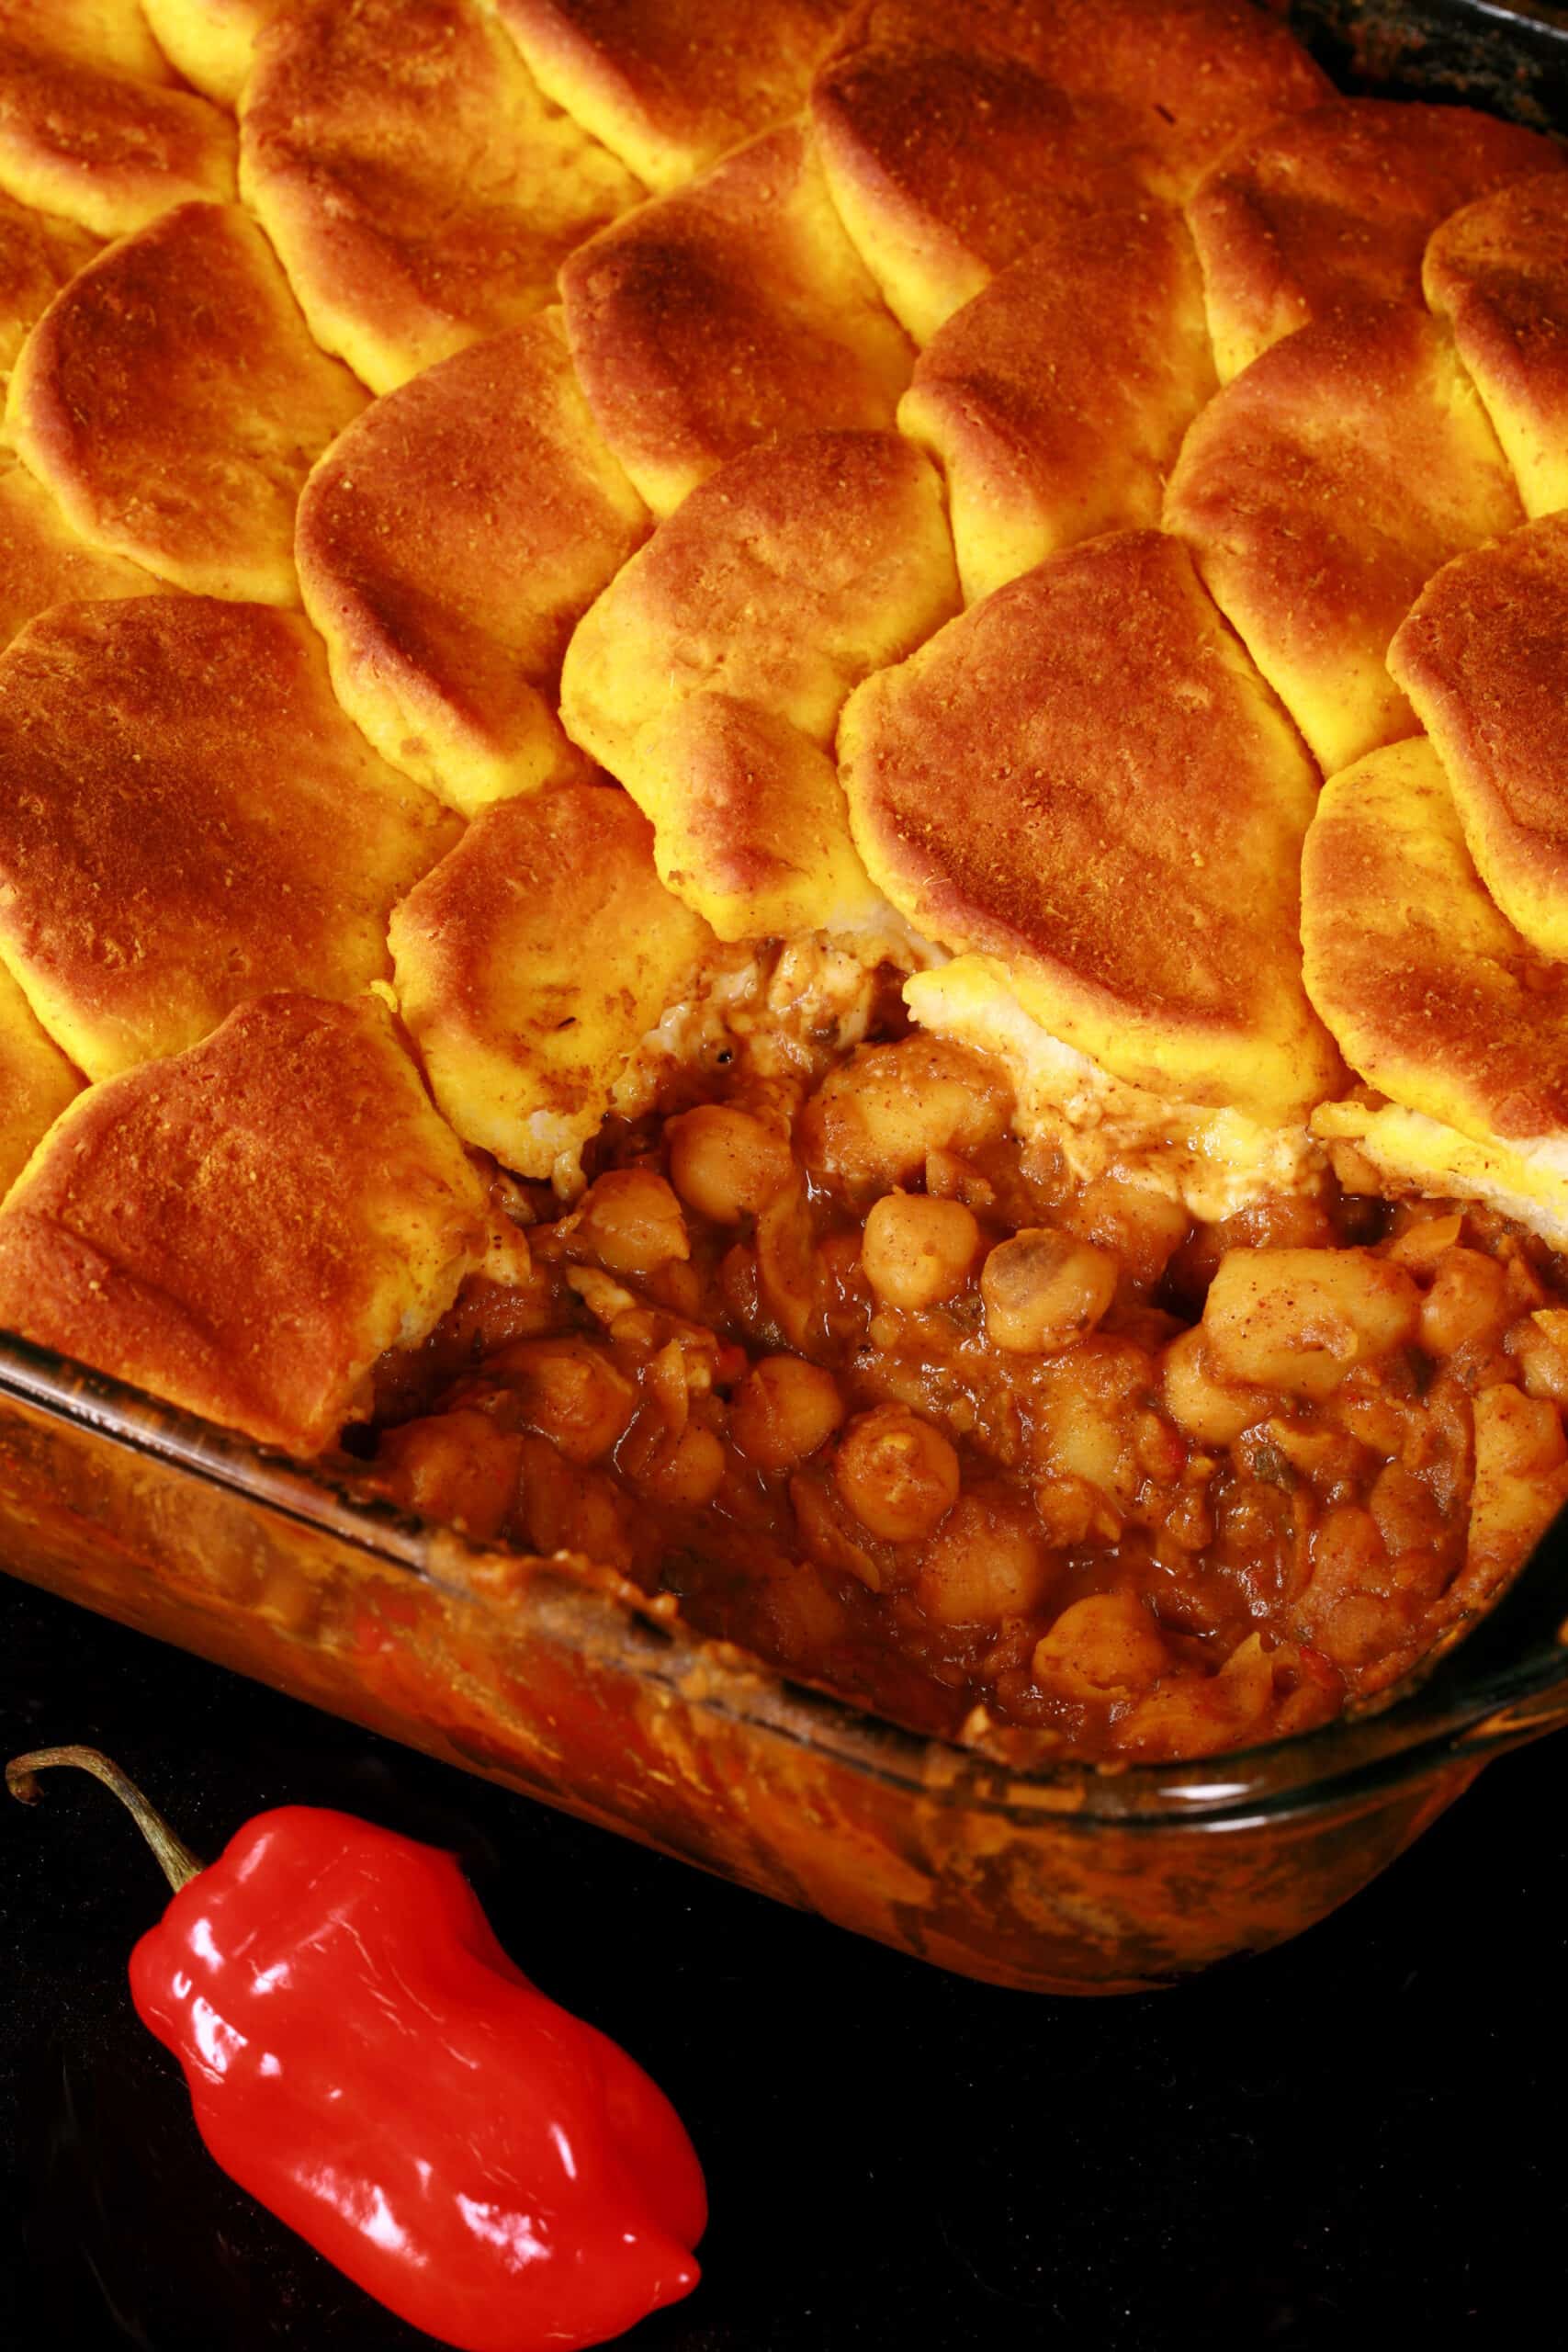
[559,1681]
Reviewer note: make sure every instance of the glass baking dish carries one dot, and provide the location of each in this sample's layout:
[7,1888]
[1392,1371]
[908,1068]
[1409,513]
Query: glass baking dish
[567,1684]
[560,1681]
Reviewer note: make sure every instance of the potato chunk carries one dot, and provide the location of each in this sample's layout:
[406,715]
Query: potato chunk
[1300,1319]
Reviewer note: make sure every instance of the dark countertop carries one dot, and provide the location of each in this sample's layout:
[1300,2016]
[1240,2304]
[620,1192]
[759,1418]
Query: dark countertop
[1358,2132]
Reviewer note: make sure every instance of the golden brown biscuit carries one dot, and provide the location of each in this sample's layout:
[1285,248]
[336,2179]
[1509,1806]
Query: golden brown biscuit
[1339,202]
[188,822]
[1320,491]
[43,562]
[1056,402]
[670,86]
[1433,997]
[211,41]
[943,131]
[36,1081]
[738,309]
[447,545]
[173,400]
[753,829]
[782,582]
[532,963]
[1084,780]
[38,257]
[1483,657]
[1498,273]
[419,189]
[103,151]
[111,34]
[244,1229]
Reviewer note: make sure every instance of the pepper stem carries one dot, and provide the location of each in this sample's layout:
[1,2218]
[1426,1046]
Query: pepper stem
[179,1864]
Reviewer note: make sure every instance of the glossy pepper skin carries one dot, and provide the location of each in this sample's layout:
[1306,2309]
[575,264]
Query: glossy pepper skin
[365,2061]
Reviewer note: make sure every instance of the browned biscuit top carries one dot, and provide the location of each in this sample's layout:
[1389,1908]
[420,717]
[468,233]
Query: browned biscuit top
[532,961]
[670,84]
[1339,202]
[1434,997]
[737,308]
[174,402]
[447,545]
[1498,273]
[1057,400]
[43,561]
[37,255]
[1320,491]
[935,208]
[1483,656]
[111,34]
[245,1229]
[419,187]
[1083,778]
[100,149]
[189,820]
[1188,77]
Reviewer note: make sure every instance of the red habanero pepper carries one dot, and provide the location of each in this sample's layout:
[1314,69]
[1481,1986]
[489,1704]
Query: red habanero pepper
[365,2059]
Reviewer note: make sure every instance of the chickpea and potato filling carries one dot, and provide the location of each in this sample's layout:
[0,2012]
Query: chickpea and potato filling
[884,1395]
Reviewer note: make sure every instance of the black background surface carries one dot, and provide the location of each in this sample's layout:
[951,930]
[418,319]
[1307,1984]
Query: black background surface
[1359,2135]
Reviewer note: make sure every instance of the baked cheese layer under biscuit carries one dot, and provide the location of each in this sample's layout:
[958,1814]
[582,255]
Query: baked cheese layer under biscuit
[101,150]
[1084,780]
[1483,657]
[1056,402]
[36,1081]
[670,86]
[174,402]
[1338,203]
[419,189]
[1320,491]
[710,674]
[1498,273]
[449,543]
[189,821]
[530,964]
[729,312]
[244,1229]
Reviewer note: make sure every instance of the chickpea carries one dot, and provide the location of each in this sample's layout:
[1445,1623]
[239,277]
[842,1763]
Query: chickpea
[1043,1290]
[1142,1226]
[687,1474]
[988,1560]
[456,1467]
[1405,1512]
[875,1121]
[1197,1400]
[570,1391]
[1300,1319]
[1105,1647]
[783,1410]
[1469,1300]
[897,1473]
[917,1251]
[631,1221]
[725,1164]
